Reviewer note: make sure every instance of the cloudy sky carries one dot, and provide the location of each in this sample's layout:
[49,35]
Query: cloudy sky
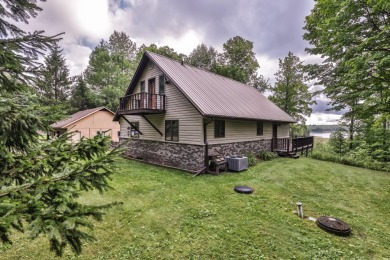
[275,28]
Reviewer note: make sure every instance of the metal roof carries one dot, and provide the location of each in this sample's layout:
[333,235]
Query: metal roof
[214,95]
[77,116]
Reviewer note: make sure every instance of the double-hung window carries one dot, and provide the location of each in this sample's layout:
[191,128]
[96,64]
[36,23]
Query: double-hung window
[219,128]
[172,130]
[259,128]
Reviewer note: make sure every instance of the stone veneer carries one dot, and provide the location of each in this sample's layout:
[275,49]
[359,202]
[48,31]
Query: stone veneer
[240,148]
[188,156]
[184,156]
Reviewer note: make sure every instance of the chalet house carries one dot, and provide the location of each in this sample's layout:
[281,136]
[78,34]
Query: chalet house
[88,123]
[176,115]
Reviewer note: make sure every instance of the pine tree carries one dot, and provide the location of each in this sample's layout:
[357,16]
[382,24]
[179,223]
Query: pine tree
[290,92]
[55,82]
[41,180]
[82,97]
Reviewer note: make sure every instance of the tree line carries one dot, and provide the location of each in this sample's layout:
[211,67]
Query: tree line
[113,62]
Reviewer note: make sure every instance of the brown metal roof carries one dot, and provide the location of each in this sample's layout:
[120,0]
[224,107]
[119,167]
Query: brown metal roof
[77,116]
[214,95]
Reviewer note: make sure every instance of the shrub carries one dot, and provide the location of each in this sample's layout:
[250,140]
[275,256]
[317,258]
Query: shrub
[252,160]
[358,158]
[266,156]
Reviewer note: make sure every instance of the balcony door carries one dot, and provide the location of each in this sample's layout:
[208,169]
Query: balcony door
[152,93]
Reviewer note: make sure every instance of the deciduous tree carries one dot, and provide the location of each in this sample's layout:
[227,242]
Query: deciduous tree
[203,57]
[111,66]
[238,62]
[290,92]
[353,37]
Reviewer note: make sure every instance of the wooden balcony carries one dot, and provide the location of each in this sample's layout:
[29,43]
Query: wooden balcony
[142,104]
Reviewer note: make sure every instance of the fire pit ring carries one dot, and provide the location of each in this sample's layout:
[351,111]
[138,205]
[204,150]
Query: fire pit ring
[333,225]
[243,189]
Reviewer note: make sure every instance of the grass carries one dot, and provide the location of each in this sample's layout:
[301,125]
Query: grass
[169,214]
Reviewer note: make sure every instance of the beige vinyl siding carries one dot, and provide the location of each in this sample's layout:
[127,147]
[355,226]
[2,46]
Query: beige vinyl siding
[98,121]
[283,130]
[177,107]
[244,130]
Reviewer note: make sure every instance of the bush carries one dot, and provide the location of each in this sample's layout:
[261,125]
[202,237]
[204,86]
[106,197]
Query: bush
[266,156]
[252,160]
[358,157]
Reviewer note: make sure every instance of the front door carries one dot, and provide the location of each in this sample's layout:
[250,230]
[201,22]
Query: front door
[274,136]
[152,94]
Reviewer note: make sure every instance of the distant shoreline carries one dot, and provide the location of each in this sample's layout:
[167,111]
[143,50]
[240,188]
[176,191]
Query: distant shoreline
[321,134]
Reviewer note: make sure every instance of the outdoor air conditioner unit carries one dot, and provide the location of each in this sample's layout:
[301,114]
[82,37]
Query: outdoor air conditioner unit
[237,163]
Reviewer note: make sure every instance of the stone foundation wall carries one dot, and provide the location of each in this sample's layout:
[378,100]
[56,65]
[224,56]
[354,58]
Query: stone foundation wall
[188,156]
[240,148]
[184,156]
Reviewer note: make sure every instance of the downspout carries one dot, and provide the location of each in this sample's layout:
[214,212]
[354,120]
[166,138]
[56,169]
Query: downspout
[206,154]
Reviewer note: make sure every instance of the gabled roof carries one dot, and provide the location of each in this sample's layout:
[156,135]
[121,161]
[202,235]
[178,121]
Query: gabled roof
[213,95]
[77,116]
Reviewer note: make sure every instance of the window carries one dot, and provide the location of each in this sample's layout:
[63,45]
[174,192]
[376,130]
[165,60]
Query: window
[131,131]
[172,130]
[259,127]
[142,86]
[219,128]
[161,81]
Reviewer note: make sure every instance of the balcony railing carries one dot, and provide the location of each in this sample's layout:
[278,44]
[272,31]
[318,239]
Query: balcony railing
[142,103]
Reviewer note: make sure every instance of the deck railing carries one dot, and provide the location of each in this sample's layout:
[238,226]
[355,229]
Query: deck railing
[302,142]
[142,101]
[285,146]
[280,144]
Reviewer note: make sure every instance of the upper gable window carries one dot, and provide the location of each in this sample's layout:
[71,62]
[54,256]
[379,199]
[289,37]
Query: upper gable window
[161,81]
[142,86]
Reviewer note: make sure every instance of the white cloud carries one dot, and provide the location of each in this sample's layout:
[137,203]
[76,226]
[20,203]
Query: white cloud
[77,57]
[184,44]
[323,119]
[268,67]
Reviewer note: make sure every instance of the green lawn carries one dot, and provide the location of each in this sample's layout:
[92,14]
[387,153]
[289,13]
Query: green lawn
[169,214]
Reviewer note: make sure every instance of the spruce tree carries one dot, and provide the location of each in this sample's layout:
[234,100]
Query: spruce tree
[54,82]
[41,180]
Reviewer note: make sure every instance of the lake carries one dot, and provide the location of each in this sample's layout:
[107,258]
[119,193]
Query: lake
[321,134]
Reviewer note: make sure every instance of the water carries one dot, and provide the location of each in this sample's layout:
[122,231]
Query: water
[321,134]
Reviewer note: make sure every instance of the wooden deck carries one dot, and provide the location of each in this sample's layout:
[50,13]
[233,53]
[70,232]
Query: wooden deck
[290,148]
